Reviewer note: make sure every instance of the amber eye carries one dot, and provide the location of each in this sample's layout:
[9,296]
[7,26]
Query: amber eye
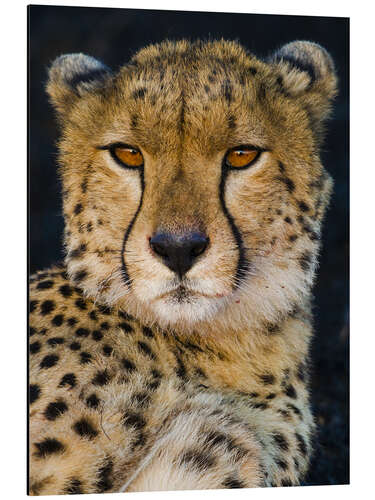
[241,157]
[127,155]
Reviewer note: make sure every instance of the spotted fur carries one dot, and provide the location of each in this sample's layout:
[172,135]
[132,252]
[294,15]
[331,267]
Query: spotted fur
[138,381]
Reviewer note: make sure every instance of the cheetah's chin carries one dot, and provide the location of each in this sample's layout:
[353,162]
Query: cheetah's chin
[186,309]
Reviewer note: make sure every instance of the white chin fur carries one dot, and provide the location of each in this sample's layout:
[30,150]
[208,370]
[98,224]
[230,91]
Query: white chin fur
[170,312]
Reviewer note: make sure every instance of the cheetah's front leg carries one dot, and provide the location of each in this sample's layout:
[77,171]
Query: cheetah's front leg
[203,448]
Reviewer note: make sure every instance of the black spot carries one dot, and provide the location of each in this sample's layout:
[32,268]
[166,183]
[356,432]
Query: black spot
[128,365]
[140,441]
[32,331]
[104,326]
[78,208]
[155,373]
[141,398]
[93,401]
[294,409]
[198,460]
[305,261]
[148,332]
[107,350]
[89,227]
[134,121]
[79,276]
[272,395]
[214,438]
[34,392]
[153,385]
[260,406]
[227,90]
[85,357]
[288,220]
[286,482]
[125,327]
[281,441]
[77,252]
[72,321]
[35,347]
[125,316]
[81,304]
[93,316]
[44,285]
[132,419]
[288,183]
[281,463]
[273,328]
[49,446]
[267,379]
[32,305]
[232,482]
[279,81]
[82,332]
[146,349]
[104,483]
[104,309]
[200,372]
[55,409]
[53,341]
[84,185]
[85,429]
[74,487]
[301,444]
[49,361]
[303,206]
[68,379]
[139,93]
[97,335]
[58,320]
[284,413]
[261,91]
[47,307]
[101,378]
[75,346]
[292,237]
[301,372]
[253,70]
[41,276]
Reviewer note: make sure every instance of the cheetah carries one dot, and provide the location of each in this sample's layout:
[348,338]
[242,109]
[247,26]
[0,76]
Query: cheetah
[170,350]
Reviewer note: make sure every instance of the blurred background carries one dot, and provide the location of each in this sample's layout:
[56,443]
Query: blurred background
[113,36]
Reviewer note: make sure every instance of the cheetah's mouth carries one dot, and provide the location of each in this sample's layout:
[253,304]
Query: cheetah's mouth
[183,293]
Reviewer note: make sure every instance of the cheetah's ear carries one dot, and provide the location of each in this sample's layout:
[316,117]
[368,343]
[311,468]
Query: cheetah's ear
[73,75]
[307,72]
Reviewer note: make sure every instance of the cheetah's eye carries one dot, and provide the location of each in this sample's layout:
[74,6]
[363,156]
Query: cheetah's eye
[127,155]
[241,157]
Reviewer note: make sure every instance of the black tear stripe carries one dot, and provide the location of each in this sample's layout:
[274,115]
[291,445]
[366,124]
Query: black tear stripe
[125,273]
[242,264]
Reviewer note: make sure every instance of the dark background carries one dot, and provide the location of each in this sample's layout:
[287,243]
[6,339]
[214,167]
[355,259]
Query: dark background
[113,35]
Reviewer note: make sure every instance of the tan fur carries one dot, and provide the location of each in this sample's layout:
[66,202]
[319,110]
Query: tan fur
[228,404]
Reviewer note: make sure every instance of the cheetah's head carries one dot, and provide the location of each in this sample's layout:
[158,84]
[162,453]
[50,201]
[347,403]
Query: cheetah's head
[193,189]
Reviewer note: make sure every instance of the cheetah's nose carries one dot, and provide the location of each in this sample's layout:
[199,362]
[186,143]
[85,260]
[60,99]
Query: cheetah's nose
[179,252]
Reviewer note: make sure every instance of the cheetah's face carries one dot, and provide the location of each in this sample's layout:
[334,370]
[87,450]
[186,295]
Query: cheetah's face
[191,177]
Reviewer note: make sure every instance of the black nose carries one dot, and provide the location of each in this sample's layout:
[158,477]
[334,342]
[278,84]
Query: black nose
[179,251]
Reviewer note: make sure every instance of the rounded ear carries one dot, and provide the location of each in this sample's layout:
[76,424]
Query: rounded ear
[307,73]
[73,75]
